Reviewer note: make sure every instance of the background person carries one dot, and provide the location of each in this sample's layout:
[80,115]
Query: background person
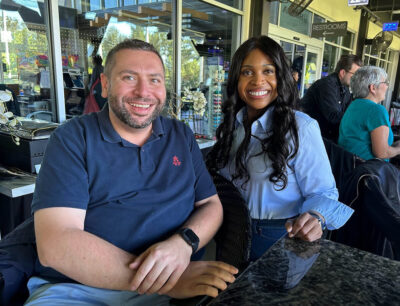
[365,128]
[273,154]
[123,198]
[327,98]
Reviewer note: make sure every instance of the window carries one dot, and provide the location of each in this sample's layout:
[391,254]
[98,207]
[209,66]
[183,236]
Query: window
[301,23]
[97,32]
[25,68]
[329,60]
[274,12]
[209,39]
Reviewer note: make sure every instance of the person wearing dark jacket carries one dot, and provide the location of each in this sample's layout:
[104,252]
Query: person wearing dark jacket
[327,99]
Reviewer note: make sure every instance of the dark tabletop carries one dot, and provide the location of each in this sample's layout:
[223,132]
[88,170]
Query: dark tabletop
[294,272]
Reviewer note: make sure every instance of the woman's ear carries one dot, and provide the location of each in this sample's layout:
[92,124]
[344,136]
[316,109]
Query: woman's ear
[371,88]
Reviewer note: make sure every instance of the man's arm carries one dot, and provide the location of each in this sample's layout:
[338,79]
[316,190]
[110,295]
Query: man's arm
[63,245]
[160,266]
[379,143]
[328,103]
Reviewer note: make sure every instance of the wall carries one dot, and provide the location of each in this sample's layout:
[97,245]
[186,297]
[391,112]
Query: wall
[338,11]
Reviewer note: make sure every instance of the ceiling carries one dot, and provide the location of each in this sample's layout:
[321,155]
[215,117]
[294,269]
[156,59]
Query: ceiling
[383,10]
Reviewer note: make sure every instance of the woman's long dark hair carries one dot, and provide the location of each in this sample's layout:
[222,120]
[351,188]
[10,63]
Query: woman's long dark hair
[277,145]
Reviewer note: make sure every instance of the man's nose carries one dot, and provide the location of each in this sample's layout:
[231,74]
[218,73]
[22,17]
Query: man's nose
[142,88]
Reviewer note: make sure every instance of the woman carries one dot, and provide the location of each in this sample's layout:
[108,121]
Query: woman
[273,154]
[365,128]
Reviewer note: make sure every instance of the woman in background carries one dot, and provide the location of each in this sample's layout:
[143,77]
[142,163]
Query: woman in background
[365,128]
[273,154]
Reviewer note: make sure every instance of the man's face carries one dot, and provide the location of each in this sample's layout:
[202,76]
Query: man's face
[136,88]
[345,76]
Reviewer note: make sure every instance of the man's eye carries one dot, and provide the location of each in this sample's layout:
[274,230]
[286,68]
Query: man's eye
[155,81]
[128,78]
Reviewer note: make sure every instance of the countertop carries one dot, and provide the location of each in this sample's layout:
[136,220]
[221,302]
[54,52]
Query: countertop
[294,272]
[17,187]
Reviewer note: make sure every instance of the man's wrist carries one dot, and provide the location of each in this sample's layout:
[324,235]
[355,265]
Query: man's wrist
[190,238]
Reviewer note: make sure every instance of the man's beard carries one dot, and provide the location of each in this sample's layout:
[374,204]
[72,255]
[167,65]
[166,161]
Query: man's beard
[123,114]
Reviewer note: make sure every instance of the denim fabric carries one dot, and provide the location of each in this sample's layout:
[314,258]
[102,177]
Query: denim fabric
[43,293]
[264,234]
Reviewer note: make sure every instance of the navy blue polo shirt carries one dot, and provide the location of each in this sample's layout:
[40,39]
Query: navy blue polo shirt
[133,196]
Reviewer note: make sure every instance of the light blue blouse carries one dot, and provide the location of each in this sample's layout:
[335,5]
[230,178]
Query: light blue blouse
[311,186]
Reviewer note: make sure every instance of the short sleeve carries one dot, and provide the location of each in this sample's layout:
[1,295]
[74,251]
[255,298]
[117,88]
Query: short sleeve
[63,180]
[377,116]
[204,186]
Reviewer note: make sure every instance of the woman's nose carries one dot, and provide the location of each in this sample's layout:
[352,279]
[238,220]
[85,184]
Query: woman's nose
[259,79]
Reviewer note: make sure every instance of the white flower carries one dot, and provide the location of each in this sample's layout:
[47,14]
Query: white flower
[7,120]
[198,99]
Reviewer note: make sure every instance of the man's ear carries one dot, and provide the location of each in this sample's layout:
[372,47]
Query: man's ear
[341,73]
[104,85]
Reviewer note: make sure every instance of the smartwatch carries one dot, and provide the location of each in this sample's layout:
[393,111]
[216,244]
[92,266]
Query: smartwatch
[190,237]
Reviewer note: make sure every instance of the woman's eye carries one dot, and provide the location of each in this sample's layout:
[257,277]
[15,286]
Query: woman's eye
[270,71]
[246,72]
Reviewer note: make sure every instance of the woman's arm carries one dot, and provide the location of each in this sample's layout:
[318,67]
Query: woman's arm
[379,142]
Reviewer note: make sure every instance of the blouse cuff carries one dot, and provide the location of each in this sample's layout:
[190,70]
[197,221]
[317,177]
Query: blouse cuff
[336,214]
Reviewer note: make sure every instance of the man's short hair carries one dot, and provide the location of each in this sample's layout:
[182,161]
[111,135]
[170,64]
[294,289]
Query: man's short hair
[365,76]
[346,61]
[131,44]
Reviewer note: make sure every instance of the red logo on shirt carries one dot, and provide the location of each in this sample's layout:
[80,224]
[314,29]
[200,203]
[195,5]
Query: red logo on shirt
[175,161]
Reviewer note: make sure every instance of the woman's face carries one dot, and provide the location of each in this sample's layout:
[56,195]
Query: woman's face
[257,83]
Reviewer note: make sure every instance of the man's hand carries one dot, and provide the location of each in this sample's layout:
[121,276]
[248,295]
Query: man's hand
[160,266]
[203,278]
[305,227]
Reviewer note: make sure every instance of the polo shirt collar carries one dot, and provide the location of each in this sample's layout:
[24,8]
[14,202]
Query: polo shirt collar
[264,121]
[110,135]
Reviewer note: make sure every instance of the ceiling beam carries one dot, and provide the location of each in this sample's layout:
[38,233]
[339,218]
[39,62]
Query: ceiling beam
[195,14]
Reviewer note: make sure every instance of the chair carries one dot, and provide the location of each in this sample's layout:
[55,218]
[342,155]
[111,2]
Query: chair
[233,240]
[372,189]
[18,258]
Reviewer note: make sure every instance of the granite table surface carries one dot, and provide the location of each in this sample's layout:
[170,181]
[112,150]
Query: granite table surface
[295,272]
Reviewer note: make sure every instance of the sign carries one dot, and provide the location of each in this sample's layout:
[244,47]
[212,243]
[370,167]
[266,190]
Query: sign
[357,2]
[390,26]
[329,29]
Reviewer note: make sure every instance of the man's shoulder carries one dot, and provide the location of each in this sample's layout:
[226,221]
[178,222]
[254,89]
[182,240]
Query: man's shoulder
[77,126]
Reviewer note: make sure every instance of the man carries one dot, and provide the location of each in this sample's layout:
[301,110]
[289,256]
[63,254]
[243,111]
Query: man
[123,198]
[327,99]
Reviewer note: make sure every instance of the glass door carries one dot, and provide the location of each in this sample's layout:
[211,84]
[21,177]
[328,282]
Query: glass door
[312,68]
[295,53]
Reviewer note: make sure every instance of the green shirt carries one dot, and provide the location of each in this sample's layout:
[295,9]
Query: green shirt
[362,117]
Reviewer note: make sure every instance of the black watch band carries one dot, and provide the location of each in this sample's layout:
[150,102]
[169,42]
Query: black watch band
[190,237]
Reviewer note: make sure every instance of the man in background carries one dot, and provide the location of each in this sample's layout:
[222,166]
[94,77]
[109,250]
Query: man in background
[327,99]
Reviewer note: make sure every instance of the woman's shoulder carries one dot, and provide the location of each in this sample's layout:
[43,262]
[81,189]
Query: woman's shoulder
[303,120]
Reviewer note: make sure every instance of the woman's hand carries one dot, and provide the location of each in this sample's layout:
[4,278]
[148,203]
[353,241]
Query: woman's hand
[203,278]
[305,227]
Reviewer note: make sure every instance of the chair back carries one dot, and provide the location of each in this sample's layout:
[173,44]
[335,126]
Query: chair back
[233,240]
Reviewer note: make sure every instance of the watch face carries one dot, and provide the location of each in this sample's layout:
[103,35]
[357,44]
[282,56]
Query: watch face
[190,237]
